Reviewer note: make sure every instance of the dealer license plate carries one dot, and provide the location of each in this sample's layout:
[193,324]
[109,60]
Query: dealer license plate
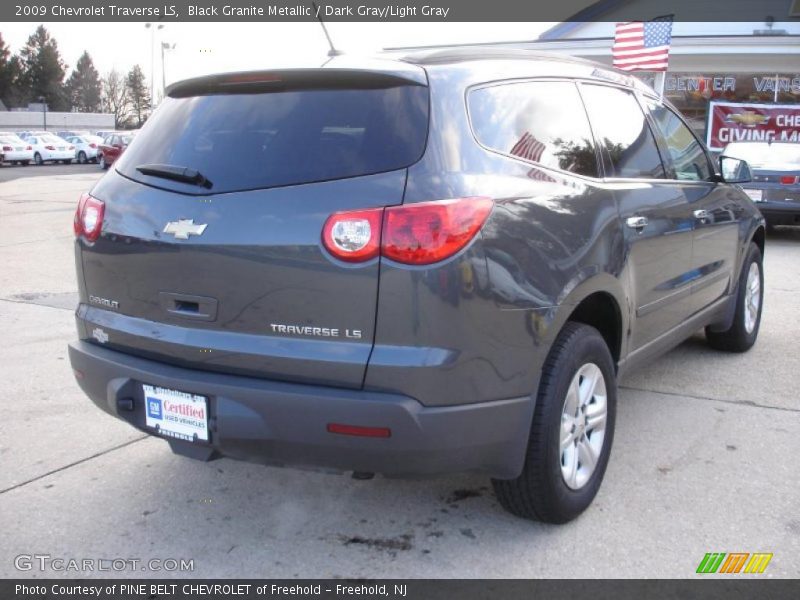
[176,414]
[755,195]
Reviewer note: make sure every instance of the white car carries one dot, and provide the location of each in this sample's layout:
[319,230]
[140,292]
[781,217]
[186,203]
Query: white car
[85,147]
[51,148]
[16,150]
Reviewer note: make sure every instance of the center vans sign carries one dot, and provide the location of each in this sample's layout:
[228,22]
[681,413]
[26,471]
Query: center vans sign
[730,122]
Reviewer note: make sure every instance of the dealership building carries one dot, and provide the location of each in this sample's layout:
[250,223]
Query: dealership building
[748,62]
[731,62]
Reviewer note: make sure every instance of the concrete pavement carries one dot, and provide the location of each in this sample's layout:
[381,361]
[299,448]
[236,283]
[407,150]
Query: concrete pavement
[705,458]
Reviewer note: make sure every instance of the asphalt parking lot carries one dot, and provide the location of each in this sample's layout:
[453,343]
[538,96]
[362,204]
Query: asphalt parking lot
[706,457]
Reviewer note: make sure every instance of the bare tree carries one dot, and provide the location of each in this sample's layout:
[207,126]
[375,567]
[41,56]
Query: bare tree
[115,97]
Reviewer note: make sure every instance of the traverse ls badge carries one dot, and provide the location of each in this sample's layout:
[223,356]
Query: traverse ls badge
[183,228]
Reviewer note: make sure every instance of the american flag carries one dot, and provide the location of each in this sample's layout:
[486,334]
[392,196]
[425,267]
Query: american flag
[643,46]
[529,148]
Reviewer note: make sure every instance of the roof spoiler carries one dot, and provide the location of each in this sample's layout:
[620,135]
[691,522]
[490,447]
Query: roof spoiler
[253,82]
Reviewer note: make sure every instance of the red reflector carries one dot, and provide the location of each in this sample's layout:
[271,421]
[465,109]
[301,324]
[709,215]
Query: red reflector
[428,232]
[788,179]
[378,432]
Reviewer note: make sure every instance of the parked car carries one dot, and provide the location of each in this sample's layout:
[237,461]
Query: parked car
[775,186]
[50,148]
[309,274]
[16,150]
[105,133]
[86,147]
[112,147]
[69,134]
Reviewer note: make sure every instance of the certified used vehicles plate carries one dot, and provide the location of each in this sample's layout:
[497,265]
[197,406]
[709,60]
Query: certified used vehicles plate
[755,195]
[176,414]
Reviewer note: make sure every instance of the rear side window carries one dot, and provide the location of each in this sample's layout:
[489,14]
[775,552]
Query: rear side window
[629,149]
[539,121]
[242,141]
[688,157]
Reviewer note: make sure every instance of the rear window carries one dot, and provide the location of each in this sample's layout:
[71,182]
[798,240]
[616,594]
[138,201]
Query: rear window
[241,141]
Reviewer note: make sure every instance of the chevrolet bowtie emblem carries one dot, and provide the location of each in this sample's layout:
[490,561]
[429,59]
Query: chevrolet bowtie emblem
[183,228]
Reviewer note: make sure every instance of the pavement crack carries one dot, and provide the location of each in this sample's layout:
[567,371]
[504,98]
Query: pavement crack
[47,239]
[73,464]
[707,398]
[31,303]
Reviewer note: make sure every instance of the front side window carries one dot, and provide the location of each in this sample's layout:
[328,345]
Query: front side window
[538,121]
[688,158]
[628,145]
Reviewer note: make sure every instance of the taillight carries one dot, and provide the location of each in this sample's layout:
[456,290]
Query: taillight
[353,236]
[92,145]
[413,234]
[427,232]
[7,148]
[788,180]
[29,148]
[49,148]
[89,217]
[72,147]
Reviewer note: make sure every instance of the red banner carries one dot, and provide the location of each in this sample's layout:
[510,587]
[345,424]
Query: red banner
[729,122]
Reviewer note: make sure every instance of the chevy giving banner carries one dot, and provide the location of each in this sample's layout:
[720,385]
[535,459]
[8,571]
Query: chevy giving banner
[729,122]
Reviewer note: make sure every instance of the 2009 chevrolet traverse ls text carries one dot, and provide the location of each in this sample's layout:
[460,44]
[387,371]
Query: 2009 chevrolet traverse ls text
[441,262]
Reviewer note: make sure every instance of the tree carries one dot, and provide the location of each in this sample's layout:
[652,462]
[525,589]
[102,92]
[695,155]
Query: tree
[138,95]
[10,90]
[43,70]
[115,97]
[84,86]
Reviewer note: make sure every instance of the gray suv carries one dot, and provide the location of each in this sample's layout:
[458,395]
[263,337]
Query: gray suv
[409,266]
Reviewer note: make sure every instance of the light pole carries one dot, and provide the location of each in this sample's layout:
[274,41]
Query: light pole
[164,46]
[152,27]
[43,100]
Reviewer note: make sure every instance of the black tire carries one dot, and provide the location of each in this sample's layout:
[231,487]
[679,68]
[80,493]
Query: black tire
[82,157]
[25,163]
[540,492]
[737,338]
[37,158]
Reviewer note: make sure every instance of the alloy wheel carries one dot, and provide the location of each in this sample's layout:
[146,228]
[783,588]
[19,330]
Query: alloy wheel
[583,424]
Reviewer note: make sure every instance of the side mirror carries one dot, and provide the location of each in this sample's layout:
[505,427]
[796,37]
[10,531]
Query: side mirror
[734,170]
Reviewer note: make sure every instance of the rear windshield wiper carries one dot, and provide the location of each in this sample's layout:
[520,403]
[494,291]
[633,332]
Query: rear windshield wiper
[176,173]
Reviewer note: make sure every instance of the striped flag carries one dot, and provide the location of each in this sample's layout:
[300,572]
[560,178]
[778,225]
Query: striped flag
[643,46]
[529,148]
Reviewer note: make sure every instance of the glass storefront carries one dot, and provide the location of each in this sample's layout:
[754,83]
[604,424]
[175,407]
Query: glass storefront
[691,92]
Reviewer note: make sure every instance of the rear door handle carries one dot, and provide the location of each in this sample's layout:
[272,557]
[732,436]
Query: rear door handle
[636,222]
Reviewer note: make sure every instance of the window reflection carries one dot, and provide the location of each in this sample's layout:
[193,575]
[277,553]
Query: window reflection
[629,147]
[538,121]
[688,158]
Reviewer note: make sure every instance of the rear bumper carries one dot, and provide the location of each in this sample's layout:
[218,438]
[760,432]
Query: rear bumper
[286,424]
[780,212]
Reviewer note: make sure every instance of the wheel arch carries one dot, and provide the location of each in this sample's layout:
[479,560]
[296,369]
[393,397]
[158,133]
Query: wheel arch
[599,302]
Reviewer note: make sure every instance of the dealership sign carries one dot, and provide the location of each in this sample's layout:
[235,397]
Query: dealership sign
[729,122]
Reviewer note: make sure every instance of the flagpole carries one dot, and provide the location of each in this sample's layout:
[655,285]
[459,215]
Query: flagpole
[661,77]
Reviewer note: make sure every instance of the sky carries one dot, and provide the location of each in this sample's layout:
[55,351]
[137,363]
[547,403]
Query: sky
[202,48]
